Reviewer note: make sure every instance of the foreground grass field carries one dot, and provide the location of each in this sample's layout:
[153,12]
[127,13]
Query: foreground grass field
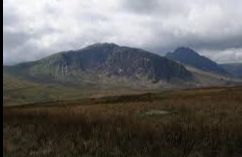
[186,123]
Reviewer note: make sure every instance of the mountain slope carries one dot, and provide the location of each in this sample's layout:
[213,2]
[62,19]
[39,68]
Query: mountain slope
[235,69]
[100,62]
[188,56]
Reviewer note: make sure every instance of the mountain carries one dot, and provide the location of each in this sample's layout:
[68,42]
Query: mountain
[103,69]
[234,69]
[102,62]
[188,56]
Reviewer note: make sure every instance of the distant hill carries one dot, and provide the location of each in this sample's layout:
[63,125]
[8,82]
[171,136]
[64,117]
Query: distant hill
[235,69]
[100,62]
[188,56]
[103,69]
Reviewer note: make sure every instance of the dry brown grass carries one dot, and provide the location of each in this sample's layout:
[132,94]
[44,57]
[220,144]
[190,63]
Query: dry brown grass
[200,123]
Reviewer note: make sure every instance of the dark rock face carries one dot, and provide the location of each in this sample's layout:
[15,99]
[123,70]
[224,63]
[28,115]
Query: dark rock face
[107,60]
[190,57]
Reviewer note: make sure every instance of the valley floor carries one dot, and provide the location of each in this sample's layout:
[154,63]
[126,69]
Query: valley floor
[182,123]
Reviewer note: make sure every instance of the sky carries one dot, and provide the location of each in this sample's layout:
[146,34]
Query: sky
[33,29]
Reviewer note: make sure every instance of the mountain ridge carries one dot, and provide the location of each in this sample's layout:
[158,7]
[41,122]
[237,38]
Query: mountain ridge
[185,55]
[107,59]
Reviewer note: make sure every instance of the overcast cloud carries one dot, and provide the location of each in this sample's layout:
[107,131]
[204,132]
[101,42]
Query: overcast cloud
[36,28]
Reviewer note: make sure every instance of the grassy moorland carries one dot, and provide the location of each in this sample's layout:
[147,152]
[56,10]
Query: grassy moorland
[18,91]
[186,123]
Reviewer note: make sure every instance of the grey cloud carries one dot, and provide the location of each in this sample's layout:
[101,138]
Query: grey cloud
[140,6]
[13,40]
[9,18]
[37,29]
[210,42]
[160,8]
[225,56]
